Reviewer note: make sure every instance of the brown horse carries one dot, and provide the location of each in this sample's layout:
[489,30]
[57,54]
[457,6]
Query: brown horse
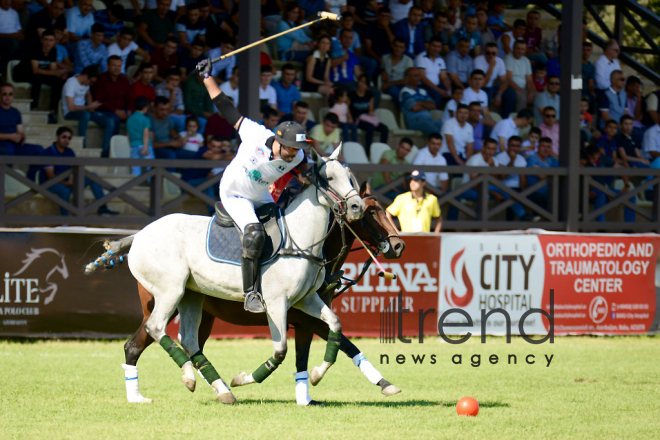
[375,229]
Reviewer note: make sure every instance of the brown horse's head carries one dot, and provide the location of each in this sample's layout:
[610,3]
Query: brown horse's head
[376,229]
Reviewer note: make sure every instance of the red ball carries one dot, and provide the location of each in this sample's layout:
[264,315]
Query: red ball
[467,406]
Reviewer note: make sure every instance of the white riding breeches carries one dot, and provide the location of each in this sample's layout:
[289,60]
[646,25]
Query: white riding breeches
[241,209]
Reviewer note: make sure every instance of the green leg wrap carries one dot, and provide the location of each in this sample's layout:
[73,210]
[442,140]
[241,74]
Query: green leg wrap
[204,366]
[176,353]
[332,347]
[265,370]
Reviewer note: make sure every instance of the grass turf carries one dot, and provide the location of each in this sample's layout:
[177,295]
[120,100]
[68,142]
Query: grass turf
[595,387]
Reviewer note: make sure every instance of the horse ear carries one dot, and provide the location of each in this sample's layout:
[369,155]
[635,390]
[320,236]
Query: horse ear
[314,155]
[365,188]
[335,154]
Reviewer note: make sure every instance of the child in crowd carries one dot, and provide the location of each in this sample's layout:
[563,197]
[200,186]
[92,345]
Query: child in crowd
[586,121]
[452,104]
[540,77]
[531,144]
[194,140]
[340,108]
[606,144]
[63,60]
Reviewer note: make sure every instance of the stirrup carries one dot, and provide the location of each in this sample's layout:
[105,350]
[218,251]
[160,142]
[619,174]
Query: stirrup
[254,302]
[332,282]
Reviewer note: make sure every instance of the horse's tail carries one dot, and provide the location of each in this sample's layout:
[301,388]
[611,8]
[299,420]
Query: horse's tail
[111,257]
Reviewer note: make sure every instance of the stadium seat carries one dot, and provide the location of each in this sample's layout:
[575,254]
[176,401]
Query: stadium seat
[13,187]
[322,112]
[120,148]
[12,81]
[377,150]
[170,189]
[387,117]
[130,71]
[436,115]
[496,116]
[411,156]
[310,115]
[310,95]
[354,153]
[98,5]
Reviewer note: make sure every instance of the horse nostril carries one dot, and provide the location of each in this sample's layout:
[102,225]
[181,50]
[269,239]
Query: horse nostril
[355,207]
[397,246]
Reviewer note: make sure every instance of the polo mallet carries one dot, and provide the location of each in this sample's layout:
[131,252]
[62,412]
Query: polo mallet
[382,273]
[321,16]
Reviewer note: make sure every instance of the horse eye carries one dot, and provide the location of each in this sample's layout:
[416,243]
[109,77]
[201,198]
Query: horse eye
[330,179]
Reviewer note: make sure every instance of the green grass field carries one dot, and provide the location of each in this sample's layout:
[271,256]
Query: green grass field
[595,387]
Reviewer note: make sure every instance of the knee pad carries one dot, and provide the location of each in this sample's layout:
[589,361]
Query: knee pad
[253,240]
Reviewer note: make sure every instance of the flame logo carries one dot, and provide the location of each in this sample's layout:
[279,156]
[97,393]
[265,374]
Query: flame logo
[459,301]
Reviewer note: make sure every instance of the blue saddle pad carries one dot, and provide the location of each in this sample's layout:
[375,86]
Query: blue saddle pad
[223,245]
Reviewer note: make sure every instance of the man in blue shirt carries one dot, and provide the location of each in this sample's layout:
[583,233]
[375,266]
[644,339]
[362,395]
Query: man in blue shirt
[541,159]
[613,103]
[79,21]
[91,51]
[411,31]
[12,133]
[468,31]
[218,149]
[287,92]
[595,159]
[112,21]
[60,148]
[417,105]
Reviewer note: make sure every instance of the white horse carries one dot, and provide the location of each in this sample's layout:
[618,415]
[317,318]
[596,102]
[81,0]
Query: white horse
[169,255]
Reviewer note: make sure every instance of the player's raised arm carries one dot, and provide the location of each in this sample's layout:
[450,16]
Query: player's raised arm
[221,101]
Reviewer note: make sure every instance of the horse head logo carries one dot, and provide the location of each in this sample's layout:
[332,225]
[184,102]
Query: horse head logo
[33,256]
[450,295]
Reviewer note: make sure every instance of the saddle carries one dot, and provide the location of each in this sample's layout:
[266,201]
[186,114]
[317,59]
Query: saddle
[224,239]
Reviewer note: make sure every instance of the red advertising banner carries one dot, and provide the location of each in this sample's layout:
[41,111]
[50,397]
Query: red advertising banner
[360,307]
[602,284]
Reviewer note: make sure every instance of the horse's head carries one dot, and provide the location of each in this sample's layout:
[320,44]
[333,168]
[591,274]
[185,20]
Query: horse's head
[376,228]
[330,176]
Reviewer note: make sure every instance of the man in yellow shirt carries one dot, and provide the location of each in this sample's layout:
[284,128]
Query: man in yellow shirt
[416,209]
[327,135]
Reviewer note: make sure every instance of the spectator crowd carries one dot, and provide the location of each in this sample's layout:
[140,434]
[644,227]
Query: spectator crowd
[483,92]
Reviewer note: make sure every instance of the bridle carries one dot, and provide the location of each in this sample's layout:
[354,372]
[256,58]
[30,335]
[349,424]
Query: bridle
[338,203]
[338,206]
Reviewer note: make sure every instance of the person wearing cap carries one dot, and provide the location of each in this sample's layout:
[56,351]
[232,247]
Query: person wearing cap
[260,161]
[416,209]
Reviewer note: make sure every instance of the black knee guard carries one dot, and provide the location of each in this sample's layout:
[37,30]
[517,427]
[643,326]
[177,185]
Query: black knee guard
[253,240]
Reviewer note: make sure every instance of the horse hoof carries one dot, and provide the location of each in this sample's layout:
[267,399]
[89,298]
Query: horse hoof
[189,383]
[227,398]
[315,403]
[314,376]
[239,379]
[390,390]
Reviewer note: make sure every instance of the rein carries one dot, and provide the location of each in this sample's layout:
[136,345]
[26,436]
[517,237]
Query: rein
[338,207]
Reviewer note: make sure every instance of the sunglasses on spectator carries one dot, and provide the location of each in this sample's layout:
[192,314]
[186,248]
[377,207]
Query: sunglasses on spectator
[550,115]
[554,83]
[7,93]
[491,53]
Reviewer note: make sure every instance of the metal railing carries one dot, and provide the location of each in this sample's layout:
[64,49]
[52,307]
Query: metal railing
[484,214]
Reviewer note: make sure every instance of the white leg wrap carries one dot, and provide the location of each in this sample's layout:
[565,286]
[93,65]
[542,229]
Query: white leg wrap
[132,386]
[367,368]
[302,388]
